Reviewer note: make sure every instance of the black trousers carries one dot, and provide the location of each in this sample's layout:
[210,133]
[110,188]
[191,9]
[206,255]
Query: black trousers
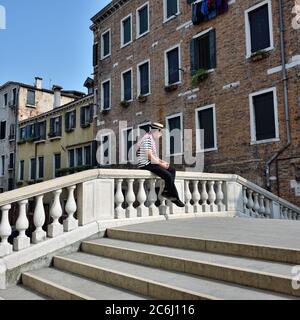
[168,175]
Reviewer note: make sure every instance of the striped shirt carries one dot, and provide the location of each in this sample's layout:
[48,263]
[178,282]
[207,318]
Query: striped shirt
[147,144]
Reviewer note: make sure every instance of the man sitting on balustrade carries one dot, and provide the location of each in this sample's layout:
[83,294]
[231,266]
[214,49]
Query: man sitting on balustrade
[148,160]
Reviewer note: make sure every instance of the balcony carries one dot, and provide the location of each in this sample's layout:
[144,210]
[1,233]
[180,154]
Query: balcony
[54,135]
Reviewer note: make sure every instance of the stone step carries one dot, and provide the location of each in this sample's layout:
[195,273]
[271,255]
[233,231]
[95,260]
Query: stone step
[247,250]
[254,273]
[61,285]
[158,283]
[20,292]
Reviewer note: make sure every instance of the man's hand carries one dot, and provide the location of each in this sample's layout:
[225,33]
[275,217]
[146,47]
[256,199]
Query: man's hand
[164,164]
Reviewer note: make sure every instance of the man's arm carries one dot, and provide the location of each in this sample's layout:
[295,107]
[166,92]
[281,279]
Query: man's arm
[156,160]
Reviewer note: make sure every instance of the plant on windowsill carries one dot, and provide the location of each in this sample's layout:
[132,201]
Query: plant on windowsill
[142,98]
[22,141]
[85,125]
[124,104]
[198,77]
[259,55]
[171,87]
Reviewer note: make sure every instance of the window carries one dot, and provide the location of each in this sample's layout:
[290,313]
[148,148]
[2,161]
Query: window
[172,66]
[41,130]
[22,134]
[143,78]
[127,143]
[106,95]
[126,85]
[31,97]
[12,131]
[30,131]
[21,170]
[11,161]
[259,27]
[86,116]
[126,30]
[174,135]
[95,54]
[106,44]
[203,51]
[171,9]
[264,116]
[79,159]
[5,99]
[32,169]
[2,130]
[55,127]
[14,96]
[87,156]
[2,169]
[142,22]
[71,158]
[57,164]
[105,150]
[41,167]
[70,120]
[206,121]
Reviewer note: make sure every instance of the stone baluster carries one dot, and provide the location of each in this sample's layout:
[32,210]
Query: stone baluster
[212,196]
[256,205]
[295,215]
[188,197]
[250,202]
[142,210]
[71,223]
[22,224]
[39,234]
[281,212]
[196,197]
[163,208]
[5,231]
[262,209]
[204,196]
[152,198]
[268,208]
[245,201]
[119,199]
[285,213]
[55,228]
[220,196]
[290,214]
[130,199]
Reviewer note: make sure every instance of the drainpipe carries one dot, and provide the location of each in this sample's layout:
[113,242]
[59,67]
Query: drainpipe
[286,101]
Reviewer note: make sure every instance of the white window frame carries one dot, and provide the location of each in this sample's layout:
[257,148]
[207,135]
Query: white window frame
[102,94]
[2,166]
[138,35]
[123,160]
[122,31]
[139,77]
[53,165]
[109,150]
[165,11]
[247,26]
[122,85]
[102,44]
[198,133]
[252,117]
[166,64]
[38,168]
[84,154]
[141,125]
[19,176]
[176,115]
[7,95]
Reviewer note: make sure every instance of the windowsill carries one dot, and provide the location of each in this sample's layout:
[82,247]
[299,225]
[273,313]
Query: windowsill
[249,55]
[175,155]
[265,141]
[144,94]
[142,35]
[30,106]
[10,169]
[55,138]
[40,141]
[171,18]
[207,150]
[173,84]
[105,57]
[126,44]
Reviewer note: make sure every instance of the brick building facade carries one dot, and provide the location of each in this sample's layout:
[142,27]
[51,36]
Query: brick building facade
[152,50]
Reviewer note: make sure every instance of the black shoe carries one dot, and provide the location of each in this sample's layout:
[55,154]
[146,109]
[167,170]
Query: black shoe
[168,196]
[179,203]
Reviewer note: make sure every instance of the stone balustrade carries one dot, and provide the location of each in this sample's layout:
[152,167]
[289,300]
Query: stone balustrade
[105,195]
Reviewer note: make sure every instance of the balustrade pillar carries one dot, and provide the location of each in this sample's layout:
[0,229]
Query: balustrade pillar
[250,203]
[196,197]
[268,209]
[220,197]
[262,209]
[188,197]
[142,210]
[70,223]
[39,234]
[130,199]
[22,224]
[245,201]
[5,231]
[152,198]
[204,196]
[119,200]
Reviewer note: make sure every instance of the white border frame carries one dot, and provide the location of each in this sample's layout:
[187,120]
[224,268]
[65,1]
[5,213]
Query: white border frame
[102,57]
[122,31]
[138,35]
[102,94]
[122,84]
[123,160]
[109,134]
[165,11]
[139,77]
[247,27]
[166,64]
[252,116]
[197,123]
[176,115]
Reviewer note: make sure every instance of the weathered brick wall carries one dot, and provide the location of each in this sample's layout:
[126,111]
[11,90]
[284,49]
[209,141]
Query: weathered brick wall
[234,154]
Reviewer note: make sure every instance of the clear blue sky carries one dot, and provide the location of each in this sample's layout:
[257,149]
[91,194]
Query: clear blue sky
[50,39]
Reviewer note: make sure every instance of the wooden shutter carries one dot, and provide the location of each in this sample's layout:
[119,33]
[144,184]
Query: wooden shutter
[52,125]
[91,107]
[194,54]
[67,121]
[82,116]
[212,49]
